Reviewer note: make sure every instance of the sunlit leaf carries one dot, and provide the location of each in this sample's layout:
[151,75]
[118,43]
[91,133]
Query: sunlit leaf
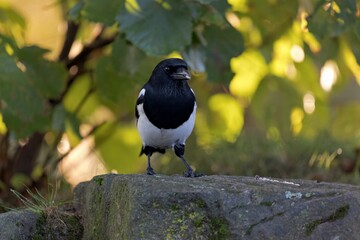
[2,125]
[8,45]
[354,43]
[245,82]
[230,119]
[120,146]
[12,23]
[78,91]
[239,5]
[350,60]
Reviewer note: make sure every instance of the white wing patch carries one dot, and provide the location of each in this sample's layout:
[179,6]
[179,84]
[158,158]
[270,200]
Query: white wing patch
[142,92]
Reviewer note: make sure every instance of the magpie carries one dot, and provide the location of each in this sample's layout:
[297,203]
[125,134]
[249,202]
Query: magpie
[165,111]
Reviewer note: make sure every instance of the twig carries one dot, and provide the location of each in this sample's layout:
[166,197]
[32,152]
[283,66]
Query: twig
[97,43]
[79,60]
[72,29]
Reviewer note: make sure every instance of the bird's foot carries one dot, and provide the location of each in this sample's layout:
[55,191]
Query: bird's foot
[150,171]
[190,173]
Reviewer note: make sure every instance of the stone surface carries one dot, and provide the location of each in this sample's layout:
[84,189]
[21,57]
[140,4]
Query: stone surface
[216,207]
[19,225]
[53,223]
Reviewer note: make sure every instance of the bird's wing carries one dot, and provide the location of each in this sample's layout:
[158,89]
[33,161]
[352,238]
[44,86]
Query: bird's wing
[139,101]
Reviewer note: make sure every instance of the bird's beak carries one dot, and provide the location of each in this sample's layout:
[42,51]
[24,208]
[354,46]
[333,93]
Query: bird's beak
[183,74]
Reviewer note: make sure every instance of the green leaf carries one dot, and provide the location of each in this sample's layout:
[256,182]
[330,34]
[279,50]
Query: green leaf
[117,144]
[195,58]
[12,24]
[6,43]
[219,51]
[354,42]
[117,76]
[210,15]
[18,95]
[48,77]
[110,83]
[72,125]
[344,126]
[205,1]
[58,118]
[75,12]
[23,108]
[104,11]
[357,28]
[221,6]
[273,102]
[26,127]
[272,18]
[307,78]
[19,180]
[332,18]
[157,27]
[125,57]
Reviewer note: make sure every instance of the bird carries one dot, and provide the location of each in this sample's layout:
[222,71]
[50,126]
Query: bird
[165,112]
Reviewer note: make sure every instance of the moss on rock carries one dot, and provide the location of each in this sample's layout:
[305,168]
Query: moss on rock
[339,213]
[58,224]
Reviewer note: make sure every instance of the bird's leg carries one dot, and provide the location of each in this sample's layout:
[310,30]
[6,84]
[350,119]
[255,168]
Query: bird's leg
[179,151]
[150,170]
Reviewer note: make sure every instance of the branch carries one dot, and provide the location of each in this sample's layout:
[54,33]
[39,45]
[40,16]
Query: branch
[97,43]
[72,29]
[78,61]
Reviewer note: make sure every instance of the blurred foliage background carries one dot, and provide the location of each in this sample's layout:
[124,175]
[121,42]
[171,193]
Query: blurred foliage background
[277,86]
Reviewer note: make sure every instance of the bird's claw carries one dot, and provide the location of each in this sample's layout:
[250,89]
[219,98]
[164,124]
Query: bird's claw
[150,171]
[192,174]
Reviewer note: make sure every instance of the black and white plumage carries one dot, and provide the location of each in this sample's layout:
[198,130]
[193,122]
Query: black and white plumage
[165,111]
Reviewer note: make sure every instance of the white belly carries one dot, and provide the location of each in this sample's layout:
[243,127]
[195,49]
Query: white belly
[163,138]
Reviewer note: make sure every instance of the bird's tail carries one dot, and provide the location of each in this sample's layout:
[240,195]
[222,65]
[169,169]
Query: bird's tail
[142,151]
[150,150]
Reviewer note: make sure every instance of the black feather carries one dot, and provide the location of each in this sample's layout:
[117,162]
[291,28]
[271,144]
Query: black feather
[150,150]
[168,102]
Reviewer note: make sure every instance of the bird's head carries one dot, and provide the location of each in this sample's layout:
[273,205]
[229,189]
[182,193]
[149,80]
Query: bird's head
[173,68]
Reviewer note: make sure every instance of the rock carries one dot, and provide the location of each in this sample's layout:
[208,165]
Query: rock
[18,225]
[52,223]
[216,207]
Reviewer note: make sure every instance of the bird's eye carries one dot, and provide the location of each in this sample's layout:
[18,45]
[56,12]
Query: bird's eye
[167,69]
